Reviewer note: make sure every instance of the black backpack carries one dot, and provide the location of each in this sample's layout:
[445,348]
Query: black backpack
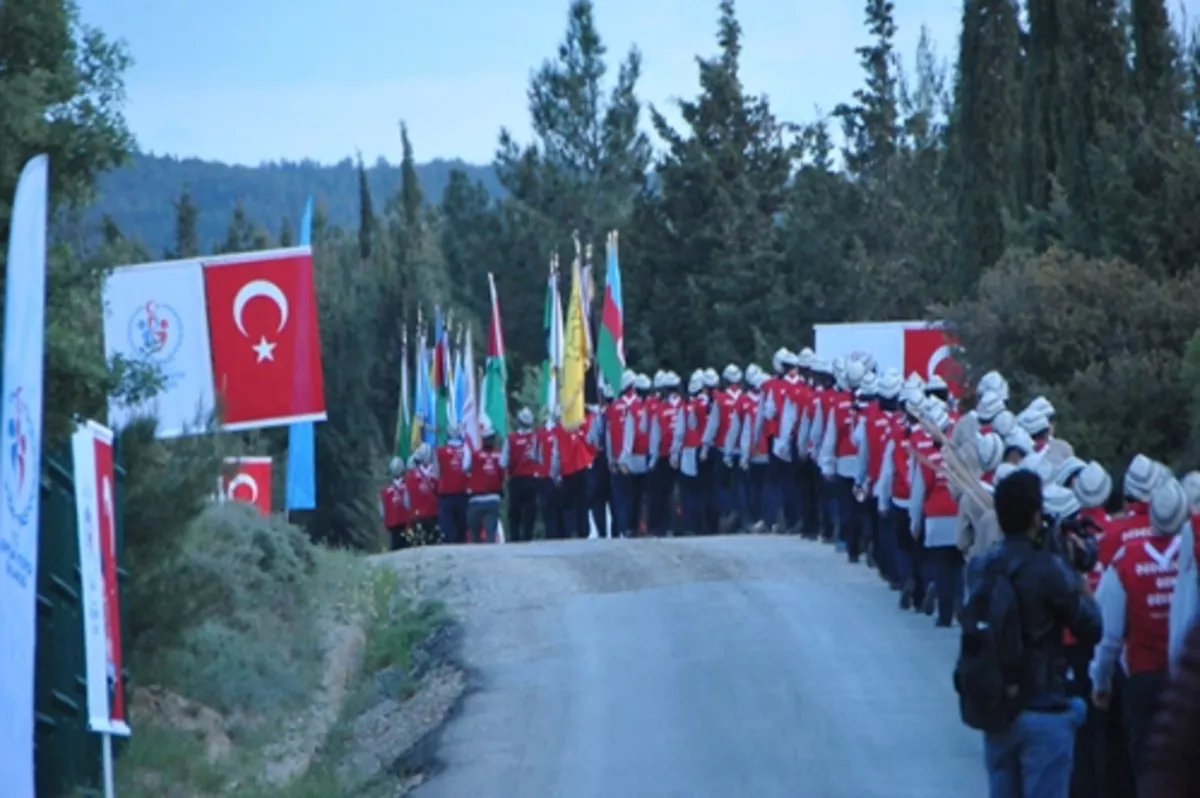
[990,667]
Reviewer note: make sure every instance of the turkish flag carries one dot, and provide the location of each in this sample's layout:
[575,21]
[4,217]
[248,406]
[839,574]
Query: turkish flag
[928,351]
[262,327]
[247,479]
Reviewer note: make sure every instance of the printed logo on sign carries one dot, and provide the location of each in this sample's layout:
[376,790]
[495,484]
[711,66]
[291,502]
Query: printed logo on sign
[156,332]
[21,481]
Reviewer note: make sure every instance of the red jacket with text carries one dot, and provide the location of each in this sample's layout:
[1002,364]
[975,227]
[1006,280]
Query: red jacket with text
[452,474]
[1147,569]
[522,453]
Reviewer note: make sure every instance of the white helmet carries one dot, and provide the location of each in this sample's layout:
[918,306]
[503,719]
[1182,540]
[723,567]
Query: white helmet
[628,380]
[855,370]
[642,382]
[396,466]
[486,430]
[657,382]
[696,382]
[732,374]
[780,358]
[710,378]
[525,417]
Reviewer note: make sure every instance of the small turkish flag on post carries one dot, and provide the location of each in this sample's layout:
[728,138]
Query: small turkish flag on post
[247,479]
[262,322]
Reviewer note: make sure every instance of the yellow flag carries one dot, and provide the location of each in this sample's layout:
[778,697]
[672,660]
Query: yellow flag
[575,355]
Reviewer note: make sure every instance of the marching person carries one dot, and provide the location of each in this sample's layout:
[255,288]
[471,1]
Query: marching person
[933,518]
[486,468]
[393,506]
[420,482]
[639,460]
[549,497]
[666,445]
[754,448]
[570,460]
[782,400]
[522,478]
[874,432]
[730,490]
[599,476]
[838,458]
[452,463]
[691,487]
[894,494]
[818,518]
[619,428]
[1135,600]
[709,456]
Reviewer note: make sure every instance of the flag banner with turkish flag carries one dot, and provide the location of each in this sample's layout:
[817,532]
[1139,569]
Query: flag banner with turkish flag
[929,350]
[262,326]
[247,479]
[154,314]
[96,521]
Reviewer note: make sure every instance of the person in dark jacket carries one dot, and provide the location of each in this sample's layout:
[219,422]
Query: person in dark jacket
[1033,757]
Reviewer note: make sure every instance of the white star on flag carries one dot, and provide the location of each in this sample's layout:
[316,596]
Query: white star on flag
[264,349]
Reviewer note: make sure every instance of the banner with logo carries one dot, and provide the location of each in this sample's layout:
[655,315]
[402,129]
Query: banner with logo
[95,515]
[242,327]
[247,479]
[155,313]
[20,473]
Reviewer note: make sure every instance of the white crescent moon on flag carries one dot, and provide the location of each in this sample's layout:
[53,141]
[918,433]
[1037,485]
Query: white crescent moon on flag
[935,360]
[256,288]
[242,479]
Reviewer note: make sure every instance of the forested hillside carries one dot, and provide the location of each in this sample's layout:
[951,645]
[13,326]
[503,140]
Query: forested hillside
[138,195]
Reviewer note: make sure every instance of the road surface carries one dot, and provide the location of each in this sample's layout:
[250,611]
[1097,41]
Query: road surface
[729,666]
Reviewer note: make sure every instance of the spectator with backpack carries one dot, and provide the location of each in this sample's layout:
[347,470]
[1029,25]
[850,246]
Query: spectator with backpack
[1010,674]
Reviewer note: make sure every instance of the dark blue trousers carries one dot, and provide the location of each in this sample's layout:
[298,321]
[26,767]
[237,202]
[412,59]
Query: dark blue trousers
[452,517]
[756,492]
[658,502]
[599,492]
[522,508]
[552,520]
[622,503]
[947,568]
[691,496]
[848,518]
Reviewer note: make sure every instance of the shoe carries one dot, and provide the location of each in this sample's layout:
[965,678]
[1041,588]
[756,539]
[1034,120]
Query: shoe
[941,623]
[906,598]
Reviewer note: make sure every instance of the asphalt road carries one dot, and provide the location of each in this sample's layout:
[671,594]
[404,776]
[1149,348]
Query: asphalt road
[732,666]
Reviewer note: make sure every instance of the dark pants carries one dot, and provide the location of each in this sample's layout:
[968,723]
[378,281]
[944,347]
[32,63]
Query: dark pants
[1085,770]
[731,493]
[622,503]
[691,496]
[1140,703]
[483,514]
[574,498]
[868,520]
[551,501]
[779,507]
[522,508]
[1116,770]
[811,510]
[599,493]
[637,502]
[708,488]
[886,554]
[452,517]
[397,539]
[909,556]
[756,492]
[947,566]
[658,502]
[843,488]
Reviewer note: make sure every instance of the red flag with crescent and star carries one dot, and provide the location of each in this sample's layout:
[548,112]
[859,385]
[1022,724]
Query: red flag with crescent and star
[930,350]
[266,351]
[247,479]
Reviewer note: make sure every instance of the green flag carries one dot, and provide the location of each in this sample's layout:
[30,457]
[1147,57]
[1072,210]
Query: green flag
[494,391]
[404,436]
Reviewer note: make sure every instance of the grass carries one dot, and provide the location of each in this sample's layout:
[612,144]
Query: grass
[257,666]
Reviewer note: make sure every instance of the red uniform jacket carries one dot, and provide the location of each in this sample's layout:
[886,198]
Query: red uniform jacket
[393,499]
[1147,569]
[452,475]
[422,494]
[522,453]
[487,472]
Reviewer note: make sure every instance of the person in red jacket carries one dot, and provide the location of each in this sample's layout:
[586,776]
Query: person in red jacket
[666,447]
[754,447]
[599,474]
[619,429]
[549,495]
[486,470]
[838,457]
[638,460]
[691,487]
[452,463]
[933,515]
[522,478]
[571,458]
[1135,602]
[393,506]
[421,484]
[727,407]
[894,494]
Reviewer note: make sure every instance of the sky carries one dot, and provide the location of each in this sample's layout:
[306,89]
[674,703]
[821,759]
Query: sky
[247,81]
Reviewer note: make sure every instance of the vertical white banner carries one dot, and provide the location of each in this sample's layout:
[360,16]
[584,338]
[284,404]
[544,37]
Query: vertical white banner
[20,473]
[91,576]
[156,313]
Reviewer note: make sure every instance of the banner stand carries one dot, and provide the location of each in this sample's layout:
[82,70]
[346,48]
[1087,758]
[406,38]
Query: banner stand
[110,783]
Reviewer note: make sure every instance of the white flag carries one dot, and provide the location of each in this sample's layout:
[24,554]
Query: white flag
[20,473]
[156,313]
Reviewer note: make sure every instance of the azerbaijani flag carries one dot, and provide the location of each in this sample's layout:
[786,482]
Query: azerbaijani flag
[493,397]
[610,343]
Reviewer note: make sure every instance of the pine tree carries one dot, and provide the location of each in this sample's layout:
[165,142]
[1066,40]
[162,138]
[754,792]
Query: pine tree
[241,235]
[366,213]
[187,238]
[871,124]
[286,237]
[987,125]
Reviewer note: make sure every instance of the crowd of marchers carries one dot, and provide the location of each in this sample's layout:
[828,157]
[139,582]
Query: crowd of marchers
[1071,597]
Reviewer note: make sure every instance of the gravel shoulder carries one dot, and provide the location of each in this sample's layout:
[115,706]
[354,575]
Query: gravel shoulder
[707,666]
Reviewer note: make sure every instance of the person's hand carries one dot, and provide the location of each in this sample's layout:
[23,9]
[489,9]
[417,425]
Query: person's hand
[1101,699]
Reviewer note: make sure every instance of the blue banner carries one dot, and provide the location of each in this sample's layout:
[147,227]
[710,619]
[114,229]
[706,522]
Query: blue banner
[302,463]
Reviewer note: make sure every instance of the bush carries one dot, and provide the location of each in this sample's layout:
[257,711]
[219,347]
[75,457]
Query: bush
[1100,338]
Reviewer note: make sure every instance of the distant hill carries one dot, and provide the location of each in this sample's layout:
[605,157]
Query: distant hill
[139,196]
